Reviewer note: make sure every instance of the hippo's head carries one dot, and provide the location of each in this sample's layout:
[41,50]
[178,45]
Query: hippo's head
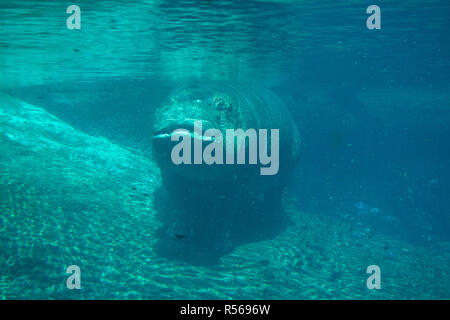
[187,114]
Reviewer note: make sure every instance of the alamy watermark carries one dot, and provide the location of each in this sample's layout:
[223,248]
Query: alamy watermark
[374,280]
[235,139]
[74,20]
[374,20]
[74,280]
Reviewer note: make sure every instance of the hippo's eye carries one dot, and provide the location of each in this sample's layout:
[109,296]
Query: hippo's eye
[222,104]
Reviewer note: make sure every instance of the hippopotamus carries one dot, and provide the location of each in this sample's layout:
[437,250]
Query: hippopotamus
[218,205]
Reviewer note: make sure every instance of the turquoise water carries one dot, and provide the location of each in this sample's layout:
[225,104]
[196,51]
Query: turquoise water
[80,184]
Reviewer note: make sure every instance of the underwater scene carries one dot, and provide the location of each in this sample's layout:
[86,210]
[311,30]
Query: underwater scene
[207,149]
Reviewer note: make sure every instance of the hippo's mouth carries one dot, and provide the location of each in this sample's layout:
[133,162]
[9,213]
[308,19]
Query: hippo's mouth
[162,138]
[194,130]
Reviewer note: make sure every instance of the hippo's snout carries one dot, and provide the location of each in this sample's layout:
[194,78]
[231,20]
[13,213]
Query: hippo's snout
[165,138]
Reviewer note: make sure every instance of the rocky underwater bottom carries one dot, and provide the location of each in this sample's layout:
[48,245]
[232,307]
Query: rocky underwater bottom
[68,198]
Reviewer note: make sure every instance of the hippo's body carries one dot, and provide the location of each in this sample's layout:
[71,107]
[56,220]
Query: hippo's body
[220,203]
